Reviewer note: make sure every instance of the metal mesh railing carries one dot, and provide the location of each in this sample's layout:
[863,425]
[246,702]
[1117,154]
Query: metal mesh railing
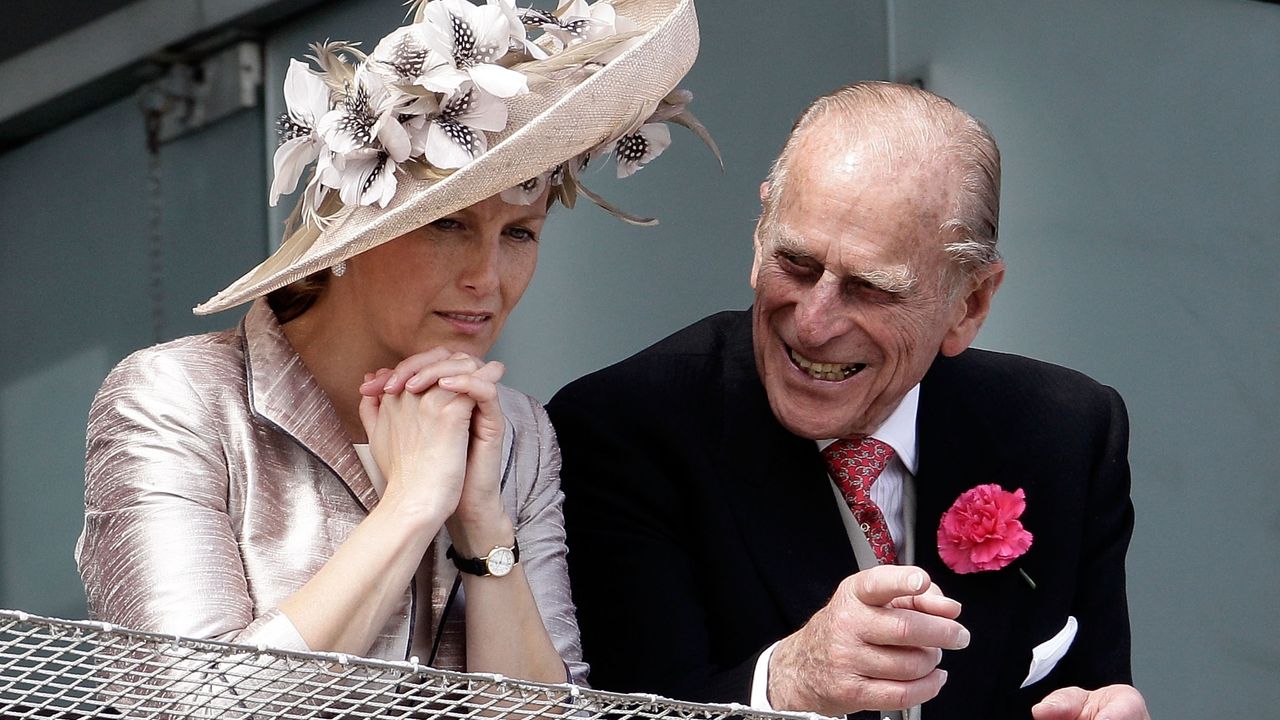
[75,669]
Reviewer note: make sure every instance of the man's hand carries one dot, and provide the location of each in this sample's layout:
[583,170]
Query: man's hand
[876,645]
[1113,702]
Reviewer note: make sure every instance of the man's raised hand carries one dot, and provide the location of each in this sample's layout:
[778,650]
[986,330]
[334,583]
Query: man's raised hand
[875,645]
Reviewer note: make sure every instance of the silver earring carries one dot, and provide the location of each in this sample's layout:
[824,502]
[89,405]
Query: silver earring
[340,268]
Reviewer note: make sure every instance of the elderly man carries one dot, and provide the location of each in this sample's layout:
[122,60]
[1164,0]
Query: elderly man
[724,487]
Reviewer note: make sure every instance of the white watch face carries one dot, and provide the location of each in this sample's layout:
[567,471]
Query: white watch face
[500,561]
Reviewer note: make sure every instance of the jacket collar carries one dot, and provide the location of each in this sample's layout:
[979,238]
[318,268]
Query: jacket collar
[959,449]
[778,486]
[284,393]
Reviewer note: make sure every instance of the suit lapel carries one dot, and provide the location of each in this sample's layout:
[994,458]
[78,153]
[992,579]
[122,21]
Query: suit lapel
[958,451]
[778,490]
[283,392]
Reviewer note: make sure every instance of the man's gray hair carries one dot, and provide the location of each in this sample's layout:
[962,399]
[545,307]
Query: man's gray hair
[902,119]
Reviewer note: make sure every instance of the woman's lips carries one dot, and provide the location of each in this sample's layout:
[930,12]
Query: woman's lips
[466,321]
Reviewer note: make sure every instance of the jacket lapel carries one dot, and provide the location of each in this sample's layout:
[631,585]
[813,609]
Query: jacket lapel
[283,392]
[777,486]
[958,451]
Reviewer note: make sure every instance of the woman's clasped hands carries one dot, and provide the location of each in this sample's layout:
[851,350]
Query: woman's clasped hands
[435,429]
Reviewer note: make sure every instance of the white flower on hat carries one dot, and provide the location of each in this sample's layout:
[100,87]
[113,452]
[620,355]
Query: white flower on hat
[594,21]
[404,56]
[368,118]
[577,21]
[453,137]
[634,150]
[425,100]
[528,191]
[307,99]
[364,178]
[467,40]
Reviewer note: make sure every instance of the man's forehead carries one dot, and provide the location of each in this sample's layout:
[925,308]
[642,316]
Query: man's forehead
[881,150]
[917,196]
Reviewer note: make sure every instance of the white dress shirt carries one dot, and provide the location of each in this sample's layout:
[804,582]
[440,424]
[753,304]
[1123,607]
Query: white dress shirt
[893,492]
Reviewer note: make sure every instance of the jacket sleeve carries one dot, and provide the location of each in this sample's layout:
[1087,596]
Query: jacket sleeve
[633,561]
[1102,657]
[158,551]
[539,519]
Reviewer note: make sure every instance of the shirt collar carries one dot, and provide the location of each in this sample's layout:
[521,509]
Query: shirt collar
[898,431]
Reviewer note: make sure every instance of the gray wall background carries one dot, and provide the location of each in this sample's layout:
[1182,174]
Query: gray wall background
[1141,223]
[1141,144]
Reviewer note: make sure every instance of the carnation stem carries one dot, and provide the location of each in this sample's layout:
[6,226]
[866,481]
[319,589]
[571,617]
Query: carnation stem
[1027,577]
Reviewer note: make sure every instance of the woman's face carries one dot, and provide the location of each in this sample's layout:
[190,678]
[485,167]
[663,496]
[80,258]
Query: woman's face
[449,283]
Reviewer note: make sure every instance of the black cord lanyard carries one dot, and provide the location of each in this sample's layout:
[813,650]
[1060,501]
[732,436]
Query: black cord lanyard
[444,615]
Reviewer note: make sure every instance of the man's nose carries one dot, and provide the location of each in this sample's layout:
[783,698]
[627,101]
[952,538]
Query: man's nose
[821,315]
[481,271]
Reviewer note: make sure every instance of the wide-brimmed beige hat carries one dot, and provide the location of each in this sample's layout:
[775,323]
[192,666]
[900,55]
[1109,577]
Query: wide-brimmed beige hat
[582,94]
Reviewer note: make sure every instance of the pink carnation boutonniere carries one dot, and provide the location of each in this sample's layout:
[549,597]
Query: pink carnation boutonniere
[981,530]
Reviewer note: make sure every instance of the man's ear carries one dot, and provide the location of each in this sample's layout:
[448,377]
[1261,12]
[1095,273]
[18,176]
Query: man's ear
[755,240]
[972,309]
[758,255]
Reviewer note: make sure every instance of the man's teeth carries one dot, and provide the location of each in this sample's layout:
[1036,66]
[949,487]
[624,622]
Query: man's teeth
[466,318]
[825,371]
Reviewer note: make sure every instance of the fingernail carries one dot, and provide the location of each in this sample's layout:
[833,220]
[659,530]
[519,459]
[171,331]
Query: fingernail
[963,638]
[917,581]
[368,377]
[448,381]
[391,381]
[944,676]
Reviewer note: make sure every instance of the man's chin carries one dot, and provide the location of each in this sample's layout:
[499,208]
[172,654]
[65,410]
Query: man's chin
[813,424]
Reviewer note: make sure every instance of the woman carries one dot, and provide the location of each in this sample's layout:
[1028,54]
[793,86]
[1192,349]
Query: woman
[319,476]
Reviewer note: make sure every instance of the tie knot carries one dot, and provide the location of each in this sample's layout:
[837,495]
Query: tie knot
[857,460]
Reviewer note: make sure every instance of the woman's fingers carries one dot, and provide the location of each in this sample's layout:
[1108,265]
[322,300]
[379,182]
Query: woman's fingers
[369,414]
[420,443]
[394,382]
[418,373]
[491,371]
[479,506]
[374,382]
[482,387]
[427,378]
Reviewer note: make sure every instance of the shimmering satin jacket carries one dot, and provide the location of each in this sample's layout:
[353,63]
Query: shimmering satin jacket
[218,480]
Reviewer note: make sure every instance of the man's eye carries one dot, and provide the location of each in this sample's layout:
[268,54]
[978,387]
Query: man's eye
[796,264]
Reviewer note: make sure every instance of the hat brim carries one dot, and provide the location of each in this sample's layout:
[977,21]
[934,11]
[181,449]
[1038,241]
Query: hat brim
[557,120]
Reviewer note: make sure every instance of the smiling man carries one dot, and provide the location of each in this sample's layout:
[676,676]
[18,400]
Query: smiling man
[828,502]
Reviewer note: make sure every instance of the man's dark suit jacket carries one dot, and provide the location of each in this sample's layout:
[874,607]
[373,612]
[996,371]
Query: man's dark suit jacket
[700,530]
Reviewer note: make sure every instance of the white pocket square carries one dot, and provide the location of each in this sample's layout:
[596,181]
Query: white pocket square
[1047,654]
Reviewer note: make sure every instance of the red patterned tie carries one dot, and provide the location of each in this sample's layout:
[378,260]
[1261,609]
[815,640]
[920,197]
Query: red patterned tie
[854,465]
